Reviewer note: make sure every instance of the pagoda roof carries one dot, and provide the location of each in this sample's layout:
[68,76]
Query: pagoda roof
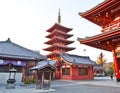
[58,26]
[58,39]
[8,49]
[109,7]
[76,59]
[56,46]
[58,32]
[54,54]
[97,41]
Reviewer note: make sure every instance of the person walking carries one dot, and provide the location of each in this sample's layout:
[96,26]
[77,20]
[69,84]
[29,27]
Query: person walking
[111,75]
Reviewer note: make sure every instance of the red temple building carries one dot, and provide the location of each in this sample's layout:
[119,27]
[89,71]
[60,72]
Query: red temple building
[58,40]
[74,67]
[107,16]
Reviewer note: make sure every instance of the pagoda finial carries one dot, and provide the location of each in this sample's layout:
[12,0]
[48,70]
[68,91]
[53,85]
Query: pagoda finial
[59,17]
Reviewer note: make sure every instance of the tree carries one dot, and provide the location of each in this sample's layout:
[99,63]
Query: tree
[101,60]
[108,68]
[111,67]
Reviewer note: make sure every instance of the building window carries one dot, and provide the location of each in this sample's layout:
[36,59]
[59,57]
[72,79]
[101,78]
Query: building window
[65,71]
[83,71]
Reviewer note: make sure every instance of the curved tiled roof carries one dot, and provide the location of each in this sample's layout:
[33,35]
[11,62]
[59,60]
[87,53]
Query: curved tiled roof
[75,59]
[43,64]
[9,49]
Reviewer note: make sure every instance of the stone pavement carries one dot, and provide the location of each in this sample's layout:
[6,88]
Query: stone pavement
[31,88]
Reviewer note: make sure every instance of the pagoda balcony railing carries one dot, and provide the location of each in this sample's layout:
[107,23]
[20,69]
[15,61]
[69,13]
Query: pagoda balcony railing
[113,25]
[60,44]
[58,51]
[60,37]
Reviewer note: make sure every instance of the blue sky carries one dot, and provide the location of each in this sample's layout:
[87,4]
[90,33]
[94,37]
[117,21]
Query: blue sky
[26,22]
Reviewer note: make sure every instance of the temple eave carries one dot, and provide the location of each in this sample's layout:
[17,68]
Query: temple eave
[101,7]
[103,36]
[98,46]
[100,15]
[100,41]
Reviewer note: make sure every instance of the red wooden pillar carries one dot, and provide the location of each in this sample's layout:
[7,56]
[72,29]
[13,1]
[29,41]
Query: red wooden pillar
[117,73]
[91,72]
[25,73]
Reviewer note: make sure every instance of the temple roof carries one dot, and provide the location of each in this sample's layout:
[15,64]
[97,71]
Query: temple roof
[75,59]
[97,41]
[8,49]
[58,39]
[56,46]
[104,11]
[59,33]
[44,64]
[58,26]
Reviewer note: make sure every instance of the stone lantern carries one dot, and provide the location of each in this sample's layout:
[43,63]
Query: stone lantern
[11,80]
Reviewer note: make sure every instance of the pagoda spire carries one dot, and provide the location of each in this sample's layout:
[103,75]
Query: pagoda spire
[59,17]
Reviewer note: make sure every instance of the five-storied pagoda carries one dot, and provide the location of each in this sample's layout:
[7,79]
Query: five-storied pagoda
[107,16]
[58,39]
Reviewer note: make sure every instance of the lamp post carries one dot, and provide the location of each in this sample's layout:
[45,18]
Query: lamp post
[84,51]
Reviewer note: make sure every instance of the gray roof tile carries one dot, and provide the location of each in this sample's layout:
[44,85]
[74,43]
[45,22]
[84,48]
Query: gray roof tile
[11,50]
[75,59]
[43,64]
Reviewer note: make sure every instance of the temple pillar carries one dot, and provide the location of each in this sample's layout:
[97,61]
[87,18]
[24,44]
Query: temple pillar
[23,74]
[42,80]
[117,71]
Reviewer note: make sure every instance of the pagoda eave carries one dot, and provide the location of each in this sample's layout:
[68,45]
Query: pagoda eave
[59,26]
[67,43]
[51,48]
[56,39]
[64,34]
[53,56]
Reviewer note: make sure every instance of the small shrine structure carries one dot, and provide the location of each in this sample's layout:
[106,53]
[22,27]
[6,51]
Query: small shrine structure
[44,72]
[107,16]
[74,67]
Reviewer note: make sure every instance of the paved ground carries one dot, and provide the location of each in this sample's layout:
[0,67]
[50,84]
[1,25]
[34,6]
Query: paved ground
[98,85]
